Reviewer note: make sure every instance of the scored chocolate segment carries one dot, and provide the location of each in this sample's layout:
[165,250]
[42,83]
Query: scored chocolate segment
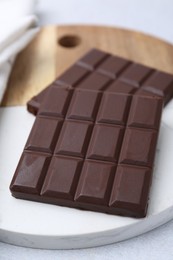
[84,105]
[74,138]
[114,108]
[95,183]
[121,87]
[30,173]
[105,143]
[130,189]
[95,81]
[57,109]
[34,104]
[113,66]
[135,74]
[138,147]
[62,177]
[72,76]
[92,59]
[160,83]
[82,146]
[144,112]
[117,74]
[44,135]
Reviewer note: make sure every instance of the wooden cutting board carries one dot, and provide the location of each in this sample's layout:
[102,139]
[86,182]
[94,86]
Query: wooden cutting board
[57,47]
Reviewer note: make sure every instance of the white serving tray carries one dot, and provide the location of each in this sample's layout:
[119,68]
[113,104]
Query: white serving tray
[38,225]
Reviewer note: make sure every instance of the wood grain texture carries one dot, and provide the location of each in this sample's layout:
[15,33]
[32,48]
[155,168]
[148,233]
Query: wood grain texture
[44,58]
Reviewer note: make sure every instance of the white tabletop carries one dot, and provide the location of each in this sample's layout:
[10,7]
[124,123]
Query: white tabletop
[150,16]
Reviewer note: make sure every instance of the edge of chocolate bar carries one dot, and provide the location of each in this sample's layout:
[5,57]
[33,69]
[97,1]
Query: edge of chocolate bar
[141,79]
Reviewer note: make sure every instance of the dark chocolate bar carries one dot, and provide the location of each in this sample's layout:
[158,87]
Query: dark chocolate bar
[91,149]
[126,77]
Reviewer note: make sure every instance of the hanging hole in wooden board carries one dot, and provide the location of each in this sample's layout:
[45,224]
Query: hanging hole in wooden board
[69,41]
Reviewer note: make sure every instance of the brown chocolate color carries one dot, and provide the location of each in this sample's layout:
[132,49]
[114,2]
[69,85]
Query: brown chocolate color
[123,197]
[135,74]
[91,149]
[160,83]
[114,108]
[80,109]
[94,81]
[74,138]
[138,147]
[92,59]
[103,71]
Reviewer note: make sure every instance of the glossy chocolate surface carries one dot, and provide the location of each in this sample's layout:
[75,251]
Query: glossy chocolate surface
[91,149]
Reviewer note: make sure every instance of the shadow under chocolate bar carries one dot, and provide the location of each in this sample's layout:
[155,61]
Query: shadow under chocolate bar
[91,149]
[99,70]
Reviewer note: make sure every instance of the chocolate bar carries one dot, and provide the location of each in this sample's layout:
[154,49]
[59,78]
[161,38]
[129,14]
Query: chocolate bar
[126,77]
[91,148]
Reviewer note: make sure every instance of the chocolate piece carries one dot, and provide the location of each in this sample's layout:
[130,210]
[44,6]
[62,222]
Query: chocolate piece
[91,150]
[138,147]
[143,112]
[119,86]
[160,83]
[80,109]
[123,196]
[31,172]
[92,59]
[95,81]
[135,74]
[113,66]
[103,71]
[74,138]
[114,109]
[62,178]
[59,102]
[95,183]
[43,135]
[109,150]
[72,76]
[34,104]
